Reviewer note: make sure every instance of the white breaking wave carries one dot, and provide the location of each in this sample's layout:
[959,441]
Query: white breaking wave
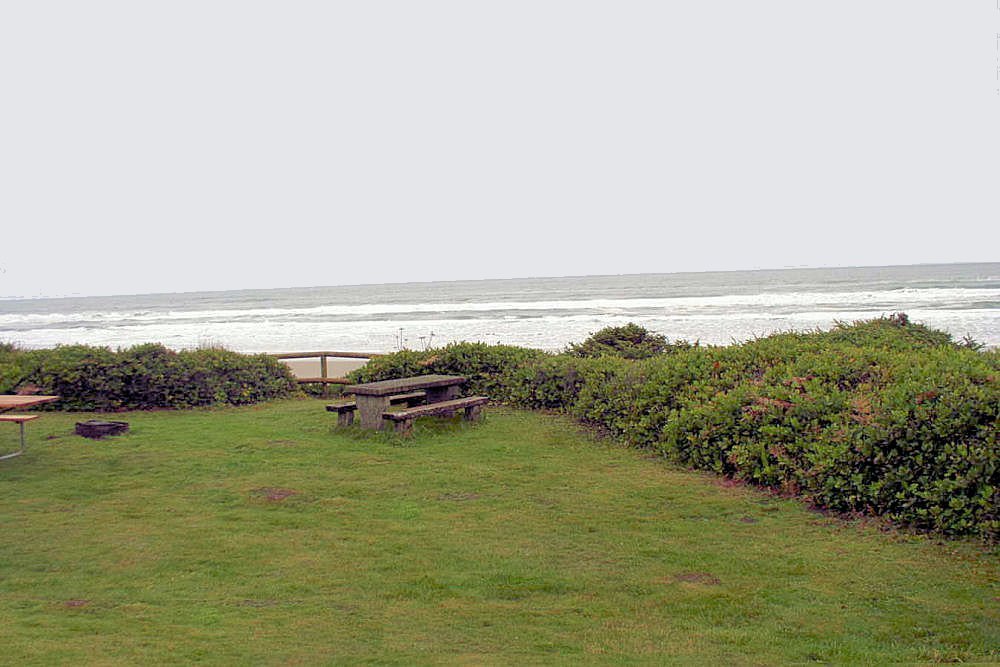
[543,313]
[689,305]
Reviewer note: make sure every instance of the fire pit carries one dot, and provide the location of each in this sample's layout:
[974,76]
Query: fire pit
[96,428]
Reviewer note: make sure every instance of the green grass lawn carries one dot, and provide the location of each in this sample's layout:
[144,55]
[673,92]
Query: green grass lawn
[264,535]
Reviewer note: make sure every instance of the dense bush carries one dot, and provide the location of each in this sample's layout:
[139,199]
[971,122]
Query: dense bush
[483,364]
[630,341]
[142,377]
[858,419]
[880,417]
[781,427]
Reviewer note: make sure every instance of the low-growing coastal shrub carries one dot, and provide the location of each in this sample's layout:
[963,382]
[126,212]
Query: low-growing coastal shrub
[629,341]
[143,377]
[910,436]
[483,364]
[550,383]
[881,417]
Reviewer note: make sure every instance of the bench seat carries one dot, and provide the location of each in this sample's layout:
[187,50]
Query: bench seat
[17,419]
[403,419]
[345,410]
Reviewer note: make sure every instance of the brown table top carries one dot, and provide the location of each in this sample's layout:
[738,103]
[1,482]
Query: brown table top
[403,385]
[12,402]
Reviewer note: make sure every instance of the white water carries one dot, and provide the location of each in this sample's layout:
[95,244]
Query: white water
[548,313]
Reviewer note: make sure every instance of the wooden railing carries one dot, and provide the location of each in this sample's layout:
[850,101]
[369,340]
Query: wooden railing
[324,377]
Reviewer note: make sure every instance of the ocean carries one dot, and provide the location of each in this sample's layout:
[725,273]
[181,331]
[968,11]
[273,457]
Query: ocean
[547,313]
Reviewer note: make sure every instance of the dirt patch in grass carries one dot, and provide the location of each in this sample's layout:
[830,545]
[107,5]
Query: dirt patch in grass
[458,497]
[75,604]
[258,603]
[696,578]
[274,494]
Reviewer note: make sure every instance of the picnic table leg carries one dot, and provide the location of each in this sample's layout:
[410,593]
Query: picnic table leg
[18,452]
[370,409]
[438,394]
[473,413]
[405,427]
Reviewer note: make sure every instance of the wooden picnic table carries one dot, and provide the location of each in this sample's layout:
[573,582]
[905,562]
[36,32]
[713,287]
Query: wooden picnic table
[373,398]
[13,402]
[9,402]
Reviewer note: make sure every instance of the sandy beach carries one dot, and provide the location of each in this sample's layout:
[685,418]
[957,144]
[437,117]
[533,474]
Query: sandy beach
[336,368]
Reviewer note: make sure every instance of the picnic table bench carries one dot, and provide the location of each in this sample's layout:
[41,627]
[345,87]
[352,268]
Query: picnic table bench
[440,396]
[345,409]
[403,419]
[12,402]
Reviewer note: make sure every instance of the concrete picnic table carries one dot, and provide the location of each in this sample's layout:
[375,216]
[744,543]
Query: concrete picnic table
[373,398]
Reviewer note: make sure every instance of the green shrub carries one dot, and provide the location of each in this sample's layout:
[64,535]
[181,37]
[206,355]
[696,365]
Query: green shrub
[630,341]
[550,383]
[406,363]
[11,373]
[882,417]
[145,376]
[87,378]
[483,364]
[215,375]
[904,431]
[895,331]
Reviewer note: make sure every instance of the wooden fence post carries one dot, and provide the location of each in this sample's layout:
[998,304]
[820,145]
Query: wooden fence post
[322,372]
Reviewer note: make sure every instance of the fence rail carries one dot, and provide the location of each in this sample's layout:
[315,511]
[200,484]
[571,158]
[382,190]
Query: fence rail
[338,355]
[325,378]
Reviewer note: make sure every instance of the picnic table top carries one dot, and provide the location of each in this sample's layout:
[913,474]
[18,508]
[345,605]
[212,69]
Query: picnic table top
[402,385]
[13,401]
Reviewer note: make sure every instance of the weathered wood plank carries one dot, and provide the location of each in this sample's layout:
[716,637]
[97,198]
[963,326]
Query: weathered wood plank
[345,412]
[473,406]
[402,385]
[398,398]
[10,402]
[437,408]
[335,355]
[323,380]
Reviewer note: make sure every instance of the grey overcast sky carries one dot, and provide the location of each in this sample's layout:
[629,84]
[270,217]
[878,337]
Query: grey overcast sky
[189,145]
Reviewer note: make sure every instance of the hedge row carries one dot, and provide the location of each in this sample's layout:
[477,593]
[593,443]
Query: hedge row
[143,377]
[484,365]
[882,417]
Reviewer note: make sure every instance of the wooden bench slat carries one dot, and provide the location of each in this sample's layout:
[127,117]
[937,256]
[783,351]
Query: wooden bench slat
[473,406]
[19,419]
[398,398]
[323,381]
[389,387]
[436,408]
